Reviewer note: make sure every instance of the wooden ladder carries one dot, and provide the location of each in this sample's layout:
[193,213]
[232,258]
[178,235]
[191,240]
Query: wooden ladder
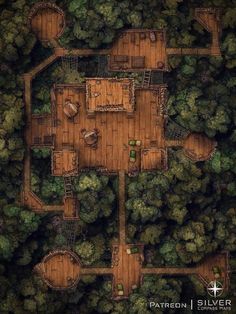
[68,186]
[146,79]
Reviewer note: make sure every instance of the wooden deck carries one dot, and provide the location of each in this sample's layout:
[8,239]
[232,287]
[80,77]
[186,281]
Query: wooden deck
[203,271]
[32,201]
[199,147]
[153,158]
[60,270]
[139,50]
[71,208]
[115,129]
[65,162]
[126,269]
[41,130]
[209,18]
[110,94]
[47,21]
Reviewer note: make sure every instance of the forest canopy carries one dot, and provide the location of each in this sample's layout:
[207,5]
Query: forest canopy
[181,215]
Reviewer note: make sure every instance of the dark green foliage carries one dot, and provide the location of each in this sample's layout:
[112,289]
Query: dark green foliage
[50,189]
[95,195]
[91,251]
[181,215]
[17,225]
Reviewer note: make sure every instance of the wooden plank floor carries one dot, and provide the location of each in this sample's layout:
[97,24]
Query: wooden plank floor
[131,44]
[64,162]
[41,127]
[205,271]
[126,269]
[60,269]
[47,23]
[115,130]
[198,147]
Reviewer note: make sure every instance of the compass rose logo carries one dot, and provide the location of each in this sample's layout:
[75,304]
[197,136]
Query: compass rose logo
[215,289]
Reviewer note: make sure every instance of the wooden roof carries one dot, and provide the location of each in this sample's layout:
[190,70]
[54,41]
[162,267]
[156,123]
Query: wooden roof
[110,94]
[115,129]
[139,50]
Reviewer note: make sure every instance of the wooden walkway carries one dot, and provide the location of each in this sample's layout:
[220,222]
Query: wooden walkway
[209,18]
[61,270]
[122,218]
[203,271]
[126,269]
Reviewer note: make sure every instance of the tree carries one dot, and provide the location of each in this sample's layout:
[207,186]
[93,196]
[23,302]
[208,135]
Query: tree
[152,233]
[95,195]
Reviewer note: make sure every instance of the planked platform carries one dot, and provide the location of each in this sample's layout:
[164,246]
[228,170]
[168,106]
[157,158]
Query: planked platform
[205,269]
[65,162]
[153,159]
[209,18]
[139,50]
[115,129]
[71,208]
[198,147]
[47,21]
[41,131]
[32,201]
[126,269]
[60,269]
